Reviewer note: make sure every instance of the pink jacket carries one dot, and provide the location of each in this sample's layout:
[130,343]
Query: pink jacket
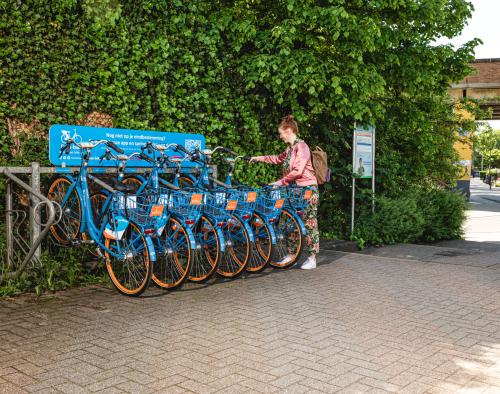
[301,170]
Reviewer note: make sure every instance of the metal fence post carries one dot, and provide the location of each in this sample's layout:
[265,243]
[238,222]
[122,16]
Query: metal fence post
[8,224]
[35,213]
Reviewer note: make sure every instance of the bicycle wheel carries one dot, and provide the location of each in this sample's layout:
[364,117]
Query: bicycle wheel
[185,181]
[173,256]
[238,248]
[67,229]
[289,240]
[131,271]
[132,180]
[207,255]
[263,245]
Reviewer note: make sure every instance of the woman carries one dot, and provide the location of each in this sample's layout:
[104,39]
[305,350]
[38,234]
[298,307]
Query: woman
[298,169]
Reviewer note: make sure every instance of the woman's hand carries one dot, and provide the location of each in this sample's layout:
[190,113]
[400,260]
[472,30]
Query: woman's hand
[254,159]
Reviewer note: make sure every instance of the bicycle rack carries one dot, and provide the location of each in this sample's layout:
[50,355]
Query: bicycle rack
[21,251]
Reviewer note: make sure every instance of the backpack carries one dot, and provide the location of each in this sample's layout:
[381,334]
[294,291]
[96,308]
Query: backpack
[320,164]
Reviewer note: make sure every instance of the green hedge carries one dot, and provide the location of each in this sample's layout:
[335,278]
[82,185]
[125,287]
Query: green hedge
[443,212]
[231,70]
[413,217]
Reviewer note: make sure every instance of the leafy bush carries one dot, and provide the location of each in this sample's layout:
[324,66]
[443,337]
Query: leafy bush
[443,212]
[482,174]
[395,220]
[423,215]
[231,70]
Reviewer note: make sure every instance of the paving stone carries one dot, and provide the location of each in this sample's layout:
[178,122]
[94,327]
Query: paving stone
[358,323]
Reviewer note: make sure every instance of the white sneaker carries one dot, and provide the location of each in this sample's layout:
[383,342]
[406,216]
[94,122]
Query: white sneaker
[285,260]
[309,264]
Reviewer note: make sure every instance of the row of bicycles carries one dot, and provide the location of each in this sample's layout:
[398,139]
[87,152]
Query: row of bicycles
[173,226]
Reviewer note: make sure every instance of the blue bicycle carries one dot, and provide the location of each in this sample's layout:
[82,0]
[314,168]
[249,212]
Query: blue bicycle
[277,209]
[128,249]
[248,197]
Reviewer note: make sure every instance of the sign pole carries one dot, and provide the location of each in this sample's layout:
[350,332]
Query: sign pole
[353,179]
[353,203]
[373,171]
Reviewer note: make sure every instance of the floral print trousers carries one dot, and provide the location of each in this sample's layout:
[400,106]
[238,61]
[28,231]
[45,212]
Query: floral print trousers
[311,223]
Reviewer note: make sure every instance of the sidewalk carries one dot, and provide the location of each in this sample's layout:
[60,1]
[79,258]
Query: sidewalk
[483,218]
[480,246]
[398,319]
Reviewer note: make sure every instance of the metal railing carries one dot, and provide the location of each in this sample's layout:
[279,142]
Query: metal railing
[19,252]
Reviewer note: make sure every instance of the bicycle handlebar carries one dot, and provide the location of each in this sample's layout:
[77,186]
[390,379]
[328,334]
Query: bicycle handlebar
[112,145]
[227,150]
[231,152]
[182,149]
[161,148]
[145,157]
[107,155]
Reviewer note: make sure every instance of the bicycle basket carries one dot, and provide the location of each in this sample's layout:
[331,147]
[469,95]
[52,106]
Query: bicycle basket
[271,201]
[182,202]
[219,204]
[143,209]
[299,197]
[247,201]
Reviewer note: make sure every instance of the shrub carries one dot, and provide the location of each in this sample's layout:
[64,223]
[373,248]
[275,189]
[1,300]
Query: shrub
[443,212]
[394,220]
[414,216]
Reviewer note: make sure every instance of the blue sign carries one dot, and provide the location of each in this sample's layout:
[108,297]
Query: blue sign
[130,141]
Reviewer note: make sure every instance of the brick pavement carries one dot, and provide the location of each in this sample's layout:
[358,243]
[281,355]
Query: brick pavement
[356,324]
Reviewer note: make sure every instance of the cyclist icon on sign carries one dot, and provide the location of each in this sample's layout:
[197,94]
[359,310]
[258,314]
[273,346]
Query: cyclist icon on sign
[66,135]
